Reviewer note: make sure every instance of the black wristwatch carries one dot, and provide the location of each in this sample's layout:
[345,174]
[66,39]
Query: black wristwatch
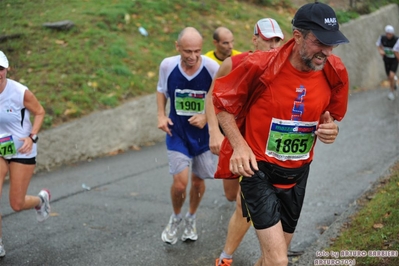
[34,137]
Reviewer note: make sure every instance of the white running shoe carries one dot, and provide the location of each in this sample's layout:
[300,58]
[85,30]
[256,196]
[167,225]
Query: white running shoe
[2,250]
[169,234]
[190,230]
[391,96]
[43,212]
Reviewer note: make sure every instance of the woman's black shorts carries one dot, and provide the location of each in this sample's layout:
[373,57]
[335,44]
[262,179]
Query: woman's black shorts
[22,161]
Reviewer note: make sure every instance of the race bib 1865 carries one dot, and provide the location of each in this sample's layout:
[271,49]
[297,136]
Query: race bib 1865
[189,102]
[290,140]
[7,146]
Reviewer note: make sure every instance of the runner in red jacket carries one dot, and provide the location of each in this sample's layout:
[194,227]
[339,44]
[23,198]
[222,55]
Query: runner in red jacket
[272,108]
[267,36]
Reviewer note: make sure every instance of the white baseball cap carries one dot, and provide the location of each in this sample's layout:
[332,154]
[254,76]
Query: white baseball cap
[389,29]
[3,60]
[268,28]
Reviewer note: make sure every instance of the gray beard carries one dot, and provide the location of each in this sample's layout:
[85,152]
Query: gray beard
[309,64]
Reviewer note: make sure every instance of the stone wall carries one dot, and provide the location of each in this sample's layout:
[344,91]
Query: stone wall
[135,123]
[361,57]
[107,132]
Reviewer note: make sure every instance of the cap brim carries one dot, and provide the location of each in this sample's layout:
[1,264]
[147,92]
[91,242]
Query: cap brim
[330,37]
[268,37]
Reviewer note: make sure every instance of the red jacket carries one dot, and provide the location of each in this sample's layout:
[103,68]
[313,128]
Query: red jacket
[236,92]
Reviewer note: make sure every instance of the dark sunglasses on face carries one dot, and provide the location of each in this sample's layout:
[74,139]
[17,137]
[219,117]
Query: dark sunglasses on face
[2,68]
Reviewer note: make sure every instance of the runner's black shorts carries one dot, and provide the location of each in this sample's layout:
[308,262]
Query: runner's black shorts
[265,205]
[29,161]
[391,64]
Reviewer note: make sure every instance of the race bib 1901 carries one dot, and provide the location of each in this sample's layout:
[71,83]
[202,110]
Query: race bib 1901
[7,146]
[189,102]
[290,140]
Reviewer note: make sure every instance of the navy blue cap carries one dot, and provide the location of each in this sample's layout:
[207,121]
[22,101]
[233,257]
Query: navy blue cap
[322,21]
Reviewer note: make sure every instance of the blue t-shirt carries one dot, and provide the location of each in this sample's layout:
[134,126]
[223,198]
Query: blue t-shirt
[187,98]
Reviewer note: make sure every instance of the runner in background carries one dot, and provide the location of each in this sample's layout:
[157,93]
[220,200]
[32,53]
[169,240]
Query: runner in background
[18,148]
[267,35]
[185,80]
[223,40]
[386,44]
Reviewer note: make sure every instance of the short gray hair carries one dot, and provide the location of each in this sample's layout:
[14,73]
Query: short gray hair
[304,32]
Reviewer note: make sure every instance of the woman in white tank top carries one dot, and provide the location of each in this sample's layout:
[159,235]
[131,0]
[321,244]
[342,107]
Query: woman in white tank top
[18,148]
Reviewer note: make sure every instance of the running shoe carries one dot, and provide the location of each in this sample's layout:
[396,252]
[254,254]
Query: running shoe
[169,234]
[43,212]
[224,262]
[190,231]
[391,96]
[2,250]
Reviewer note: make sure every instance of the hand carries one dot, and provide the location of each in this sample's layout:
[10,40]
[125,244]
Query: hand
[215,141]
[328,130]
[26,148]
[164,124]
[243,161]
[198,120]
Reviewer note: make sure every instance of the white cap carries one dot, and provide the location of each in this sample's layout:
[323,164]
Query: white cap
[389,29]
[3,60]
[268,28]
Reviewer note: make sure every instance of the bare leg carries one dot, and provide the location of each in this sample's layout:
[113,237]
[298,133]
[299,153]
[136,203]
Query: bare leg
[238,226]
[196,192]
[392,81]
[178,190]
[20,176]
[3,173]
[274,246]
[231,188]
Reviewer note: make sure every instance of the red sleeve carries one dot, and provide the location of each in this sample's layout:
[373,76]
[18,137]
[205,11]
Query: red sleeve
[237,59]
[337,76]
[234,90]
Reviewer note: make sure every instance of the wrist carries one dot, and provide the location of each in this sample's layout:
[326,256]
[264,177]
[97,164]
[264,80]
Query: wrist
[33,137]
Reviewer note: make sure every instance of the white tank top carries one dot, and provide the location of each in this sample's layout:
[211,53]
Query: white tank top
[14,117]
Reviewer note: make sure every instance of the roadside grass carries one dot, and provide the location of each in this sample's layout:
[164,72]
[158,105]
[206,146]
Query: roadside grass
[375,226]
[104,60]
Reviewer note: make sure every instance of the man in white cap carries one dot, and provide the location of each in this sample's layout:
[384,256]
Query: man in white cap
[273,107]
[267,36]
[387,45]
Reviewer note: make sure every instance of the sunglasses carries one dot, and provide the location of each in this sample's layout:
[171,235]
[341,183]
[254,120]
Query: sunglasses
[2,68]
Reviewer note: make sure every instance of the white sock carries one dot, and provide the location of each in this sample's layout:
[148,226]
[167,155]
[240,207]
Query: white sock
[177,216]
[224,255]
[189,215]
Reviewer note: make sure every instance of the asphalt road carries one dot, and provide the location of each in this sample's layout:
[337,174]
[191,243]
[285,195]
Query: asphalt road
[120,219]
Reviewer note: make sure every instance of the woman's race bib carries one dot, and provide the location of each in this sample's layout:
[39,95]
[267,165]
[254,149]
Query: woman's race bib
[7,146]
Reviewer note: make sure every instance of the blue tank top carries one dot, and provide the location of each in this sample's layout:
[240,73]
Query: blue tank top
[187,97]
